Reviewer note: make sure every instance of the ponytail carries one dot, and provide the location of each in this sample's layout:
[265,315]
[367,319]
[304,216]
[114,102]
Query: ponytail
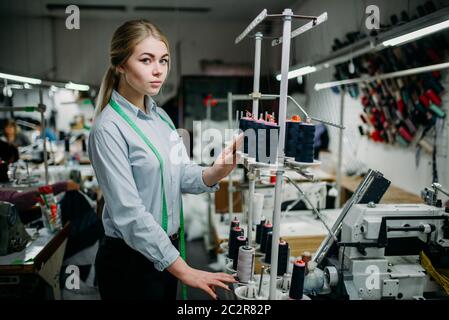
[109,83]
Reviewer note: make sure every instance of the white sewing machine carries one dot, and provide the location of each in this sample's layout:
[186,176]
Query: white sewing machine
[379,250]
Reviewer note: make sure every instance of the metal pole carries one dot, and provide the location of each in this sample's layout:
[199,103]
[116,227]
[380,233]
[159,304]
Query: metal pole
[252,188]
[260,17]
[209,195]
[256,81]
[276,233]
[340,146]
[287,13]
[43,133]
[230,190]
[312,24]
[208,114]
[302,110]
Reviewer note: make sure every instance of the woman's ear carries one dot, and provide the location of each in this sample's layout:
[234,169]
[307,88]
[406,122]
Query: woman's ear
[120,69]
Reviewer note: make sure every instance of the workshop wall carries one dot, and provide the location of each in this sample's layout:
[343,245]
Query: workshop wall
[398,163]
[27,46]
[47,49]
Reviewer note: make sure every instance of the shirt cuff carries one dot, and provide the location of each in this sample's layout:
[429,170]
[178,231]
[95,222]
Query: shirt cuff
[204,186]
[168,260]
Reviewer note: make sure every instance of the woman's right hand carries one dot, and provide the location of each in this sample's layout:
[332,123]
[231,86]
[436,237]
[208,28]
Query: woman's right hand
[206,281]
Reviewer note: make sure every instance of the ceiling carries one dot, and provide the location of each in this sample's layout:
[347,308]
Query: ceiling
[182,9]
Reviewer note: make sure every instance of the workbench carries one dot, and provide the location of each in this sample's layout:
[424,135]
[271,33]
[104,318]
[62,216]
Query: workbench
[40,260]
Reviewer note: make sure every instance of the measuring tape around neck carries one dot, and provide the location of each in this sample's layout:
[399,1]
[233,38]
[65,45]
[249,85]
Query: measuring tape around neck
[147,141]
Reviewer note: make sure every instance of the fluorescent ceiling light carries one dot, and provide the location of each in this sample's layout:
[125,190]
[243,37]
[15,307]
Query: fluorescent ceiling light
[416,34]
[19,78]
[298,72]
[75,86]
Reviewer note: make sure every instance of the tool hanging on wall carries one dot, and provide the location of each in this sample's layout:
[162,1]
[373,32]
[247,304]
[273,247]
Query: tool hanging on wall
[395,108]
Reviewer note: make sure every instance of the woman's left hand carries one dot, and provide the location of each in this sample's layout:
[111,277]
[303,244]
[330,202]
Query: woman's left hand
[224,164]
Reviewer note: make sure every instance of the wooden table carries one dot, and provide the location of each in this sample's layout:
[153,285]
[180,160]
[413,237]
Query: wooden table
[42,257]
[393,194]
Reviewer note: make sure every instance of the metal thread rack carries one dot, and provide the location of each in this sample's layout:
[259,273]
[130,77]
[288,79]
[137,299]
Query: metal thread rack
[282,164]
[41,109]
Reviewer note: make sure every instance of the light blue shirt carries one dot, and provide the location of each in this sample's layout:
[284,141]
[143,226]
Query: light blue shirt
[128,173]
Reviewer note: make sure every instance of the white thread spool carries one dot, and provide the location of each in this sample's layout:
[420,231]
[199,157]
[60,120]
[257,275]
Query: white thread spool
[286,282]
[245,264]
[257,207]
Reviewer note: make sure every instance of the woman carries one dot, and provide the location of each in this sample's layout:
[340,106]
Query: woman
[131,149]
[13,135]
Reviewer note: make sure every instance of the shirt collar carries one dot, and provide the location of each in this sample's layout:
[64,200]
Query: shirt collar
[132,109]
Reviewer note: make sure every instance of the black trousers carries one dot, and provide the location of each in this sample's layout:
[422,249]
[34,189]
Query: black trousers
[124,273]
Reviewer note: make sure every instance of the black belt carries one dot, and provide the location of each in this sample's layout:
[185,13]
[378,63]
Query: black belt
[175,236]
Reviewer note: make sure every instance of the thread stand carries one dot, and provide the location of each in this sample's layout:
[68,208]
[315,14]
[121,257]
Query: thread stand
[281,165]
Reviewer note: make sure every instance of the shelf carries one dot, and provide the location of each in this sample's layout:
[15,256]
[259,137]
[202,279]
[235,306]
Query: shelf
[372,44]
[289,164]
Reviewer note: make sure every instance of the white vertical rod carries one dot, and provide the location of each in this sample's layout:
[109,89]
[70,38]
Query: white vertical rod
[340,147]
[43,133]
[276,233]
[256,81]
[283,94]
[230,190]
[252,189]
[209,195]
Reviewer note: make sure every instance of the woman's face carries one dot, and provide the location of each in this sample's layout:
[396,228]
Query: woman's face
[146,70]
[10,130]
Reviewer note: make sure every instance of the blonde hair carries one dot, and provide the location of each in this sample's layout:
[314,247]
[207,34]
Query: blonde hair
[125,38]
[11,123]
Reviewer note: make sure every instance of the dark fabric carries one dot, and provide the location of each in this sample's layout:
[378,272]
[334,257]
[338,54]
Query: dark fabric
[85,227]
[123,273]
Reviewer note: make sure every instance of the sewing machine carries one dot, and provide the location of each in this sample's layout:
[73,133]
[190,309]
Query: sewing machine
[383,251]
[380,246]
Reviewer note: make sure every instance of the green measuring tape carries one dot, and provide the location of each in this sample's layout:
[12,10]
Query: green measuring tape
[147,141]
